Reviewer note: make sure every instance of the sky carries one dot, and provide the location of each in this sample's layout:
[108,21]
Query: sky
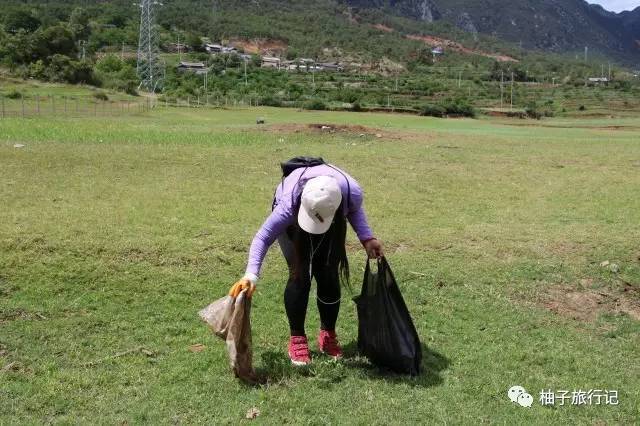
[617,5]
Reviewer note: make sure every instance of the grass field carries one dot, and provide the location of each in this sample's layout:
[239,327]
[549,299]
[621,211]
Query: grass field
[114,232]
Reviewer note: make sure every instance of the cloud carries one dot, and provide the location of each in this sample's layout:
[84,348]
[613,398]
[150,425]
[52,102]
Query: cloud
[617,5]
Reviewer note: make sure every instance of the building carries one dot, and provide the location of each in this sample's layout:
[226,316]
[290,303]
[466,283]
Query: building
[215,48]
[329,66]
[270,62]
[598,80]
[289,65]
[196,67]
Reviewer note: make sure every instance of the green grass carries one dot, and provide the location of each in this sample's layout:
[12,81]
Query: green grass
[114,232]
[32,88]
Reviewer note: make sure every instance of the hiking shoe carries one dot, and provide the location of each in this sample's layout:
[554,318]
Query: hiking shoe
[299,350]
[328,344]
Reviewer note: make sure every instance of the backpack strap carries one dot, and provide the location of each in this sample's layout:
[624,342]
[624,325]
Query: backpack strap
[348,184]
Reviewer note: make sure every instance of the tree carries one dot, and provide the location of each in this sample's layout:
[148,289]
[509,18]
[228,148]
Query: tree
[59,40]
[18,48]
[110,64]
[194,41]
[21,19]
[79,23]
[64,69]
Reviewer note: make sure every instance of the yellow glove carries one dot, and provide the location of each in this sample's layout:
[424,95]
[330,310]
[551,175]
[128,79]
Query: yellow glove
[243,284]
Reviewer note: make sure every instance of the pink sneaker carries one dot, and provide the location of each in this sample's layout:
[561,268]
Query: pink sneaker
[328,344]
[299,350]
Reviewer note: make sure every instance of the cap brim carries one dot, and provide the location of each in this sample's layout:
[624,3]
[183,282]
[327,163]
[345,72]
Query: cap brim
[312,225]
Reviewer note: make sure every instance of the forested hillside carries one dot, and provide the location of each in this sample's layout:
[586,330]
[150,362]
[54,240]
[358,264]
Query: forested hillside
[95,42]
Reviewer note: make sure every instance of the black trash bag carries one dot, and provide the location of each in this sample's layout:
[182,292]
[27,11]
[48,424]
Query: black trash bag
[386,334]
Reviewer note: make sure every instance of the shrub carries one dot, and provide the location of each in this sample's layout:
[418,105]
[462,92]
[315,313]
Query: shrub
[14,94]
[110,64]
[516,114]
[532,112]
[459,107]
[432,110]
[131,88]
[348,96]
[270,100]
[356,107]
[315,104]
[582,108]
[101,96]
[64,69]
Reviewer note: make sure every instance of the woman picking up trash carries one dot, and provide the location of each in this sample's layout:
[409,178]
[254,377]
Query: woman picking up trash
[309,214]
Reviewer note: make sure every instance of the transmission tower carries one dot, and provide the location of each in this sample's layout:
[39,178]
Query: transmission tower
[149,67]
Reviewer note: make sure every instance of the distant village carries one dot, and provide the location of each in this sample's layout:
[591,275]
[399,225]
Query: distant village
[267,61]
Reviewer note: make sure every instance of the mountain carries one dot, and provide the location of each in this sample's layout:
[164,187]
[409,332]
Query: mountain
[366,31]
[551,25]
[631,22]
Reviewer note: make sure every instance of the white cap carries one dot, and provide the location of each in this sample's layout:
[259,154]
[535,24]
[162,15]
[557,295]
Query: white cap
[321,197]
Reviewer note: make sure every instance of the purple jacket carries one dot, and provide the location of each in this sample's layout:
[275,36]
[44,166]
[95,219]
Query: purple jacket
[287,200]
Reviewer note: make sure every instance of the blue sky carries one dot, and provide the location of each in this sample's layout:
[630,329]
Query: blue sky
[617,5]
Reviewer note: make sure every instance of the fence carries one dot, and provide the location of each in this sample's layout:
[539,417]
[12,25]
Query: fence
[70,106]
[89,106]
[570,98]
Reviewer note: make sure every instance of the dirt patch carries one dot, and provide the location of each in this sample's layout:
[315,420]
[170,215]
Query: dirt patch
[327,128]
[348,130]
[383,27]
[260,46]
[344,128]
[455,46]
[586,304]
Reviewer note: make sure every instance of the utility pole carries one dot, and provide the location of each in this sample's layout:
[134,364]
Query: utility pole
[586,53]
[179,49]
[245,72]
[602,71]
[83,44]
[609,71]
[512,90]
[501,88]
[459,78]
[148,67]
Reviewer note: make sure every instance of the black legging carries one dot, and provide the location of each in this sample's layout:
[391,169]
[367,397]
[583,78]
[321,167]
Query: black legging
[296,294]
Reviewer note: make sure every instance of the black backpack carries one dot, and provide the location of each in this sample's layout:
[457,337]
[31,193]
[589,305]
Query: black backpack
[297,162]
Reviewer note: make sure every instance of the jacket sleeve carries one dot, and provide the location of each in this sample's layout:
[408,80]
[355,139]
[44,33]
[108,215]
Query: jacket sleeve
[277,222]
[357,216]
